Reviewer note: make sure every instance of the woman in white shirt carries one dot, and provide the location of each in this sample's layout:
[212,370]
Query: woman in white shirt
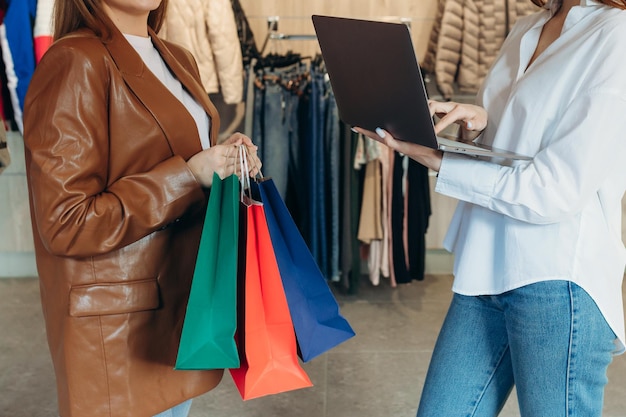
[539,259]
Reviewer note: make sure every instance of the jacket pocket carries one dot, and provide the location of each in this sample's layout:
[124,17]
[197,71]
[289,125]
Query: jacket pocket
[114,298]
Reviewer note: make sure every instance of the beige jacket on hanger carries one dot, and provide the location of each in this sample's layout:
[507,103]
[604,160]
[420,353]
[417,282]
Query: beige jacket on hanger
[208,29]
[466,38]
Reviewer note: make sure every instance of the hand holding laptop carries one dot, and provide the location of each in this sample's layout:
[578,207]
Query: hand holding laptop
[471,118]
[429,157]
[377,83]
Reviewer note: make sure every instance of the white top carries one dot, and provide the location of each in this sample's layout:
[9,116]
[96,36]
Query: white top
[154,62]
[557,217]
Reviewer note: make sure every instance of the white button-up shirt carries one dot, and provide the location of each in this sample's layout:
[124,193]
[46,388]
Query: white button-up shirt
[557,217]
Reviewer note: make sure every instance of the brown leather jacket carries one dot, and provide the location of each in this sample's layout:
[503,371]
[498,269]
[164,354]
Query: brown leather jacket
[117,217]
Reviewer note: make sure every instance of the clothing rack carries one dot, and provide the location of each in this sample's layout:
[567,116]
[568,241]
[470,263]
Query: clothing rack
[274,34]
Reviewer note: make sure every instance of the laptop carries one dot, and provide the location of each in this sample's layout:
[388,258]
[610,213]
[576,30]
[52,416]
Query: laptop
[377,82]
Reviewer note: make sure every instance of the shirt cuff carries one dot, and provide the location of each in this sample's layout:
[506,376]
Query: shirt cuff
[467,178]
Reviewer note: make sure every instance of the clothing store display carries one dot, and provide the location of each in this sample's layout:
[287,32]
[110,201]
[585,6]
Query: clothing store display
[25,35]
[276,101]
[16,40]
[302,142]
[208,30]
[465,39]
[155,282]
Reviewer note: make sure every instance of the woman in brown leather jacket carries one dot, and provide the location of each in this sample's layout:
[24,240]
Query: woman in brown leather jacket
[120,150]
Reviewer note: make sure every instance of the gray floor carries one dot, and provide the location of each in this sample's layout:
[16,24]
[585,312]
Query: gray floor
[378,373]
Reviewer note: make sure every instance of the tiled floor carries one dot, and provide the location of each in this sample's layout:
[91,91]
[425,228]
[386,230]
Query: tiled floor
[378,373]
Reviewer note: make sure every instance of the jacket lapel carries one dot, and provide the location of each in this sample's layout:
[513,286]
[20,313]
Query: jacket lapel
[177,124]
[192,86]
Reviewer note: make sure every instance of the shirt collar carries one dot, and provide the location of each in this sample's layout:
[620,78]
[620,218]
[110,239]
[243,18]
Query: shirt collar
[554,4]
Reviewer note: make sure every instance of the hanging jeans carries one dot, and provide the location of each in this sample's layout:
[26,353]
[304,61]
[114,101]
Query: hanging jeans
[316,170]
[275,125]
[333,153]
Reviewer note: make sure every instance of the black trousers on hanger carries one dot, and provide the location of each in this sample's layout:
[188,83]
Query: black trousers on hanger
[417,213]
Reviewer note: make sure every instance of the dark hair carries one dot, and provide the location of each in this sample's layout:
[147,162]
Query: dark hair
[620,4]
[71,15]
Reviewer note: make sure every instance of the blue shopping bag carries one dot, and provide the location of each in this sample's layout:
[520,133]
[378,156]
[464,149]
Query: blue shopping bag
[317,321]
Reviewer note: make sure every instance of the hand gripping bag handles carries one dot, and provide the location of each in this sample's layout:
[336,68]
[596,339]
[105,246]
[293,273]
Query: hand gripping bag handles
[269,359]
[208,336]
[315,313]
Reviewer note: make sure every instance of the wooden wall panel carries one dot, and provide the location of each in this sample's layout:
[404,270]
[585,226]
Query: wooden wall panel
[295,18]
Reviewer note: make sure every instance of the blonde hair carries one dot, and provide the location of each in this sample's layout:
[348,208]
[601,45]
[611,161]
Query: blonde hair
[71,15]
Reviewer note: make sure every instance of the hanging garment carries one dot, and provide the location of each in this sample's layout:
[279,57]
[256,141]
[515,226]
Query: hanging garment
[350,190]
[378,253]
[44,27]
[249,48]
[410,213]
[16,39]
[277,93]
[370,222]
[207,28]
[465,39]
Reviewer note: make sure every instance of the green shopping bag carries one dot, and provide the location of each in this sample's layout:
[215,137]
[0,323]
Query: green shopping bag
[208,337]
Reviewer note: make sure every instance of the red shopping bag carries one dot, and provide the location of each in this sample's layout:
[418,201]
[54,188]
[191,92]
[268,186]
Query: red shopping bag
[265,334]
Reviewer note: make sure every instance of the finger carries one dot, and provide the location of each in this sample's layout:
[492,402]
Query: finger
[231,154]
[455,115]
[365,132]
[247,141]
[438,108]
[256,169]
[227,151]
[235,139]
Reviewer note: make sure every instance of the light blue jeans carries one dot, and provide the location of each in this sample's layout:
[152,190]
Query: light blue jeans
[181,410]
[548,339]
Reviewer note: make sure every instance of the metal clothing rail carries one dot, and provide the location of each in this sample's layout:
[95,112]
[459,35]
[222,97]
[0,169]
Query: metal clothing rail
[273,34]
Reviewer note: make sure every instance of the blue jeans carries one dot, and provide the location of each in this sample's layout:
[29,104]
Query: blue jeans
[333,150]
[548,339]
[181,410]
[275,127]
